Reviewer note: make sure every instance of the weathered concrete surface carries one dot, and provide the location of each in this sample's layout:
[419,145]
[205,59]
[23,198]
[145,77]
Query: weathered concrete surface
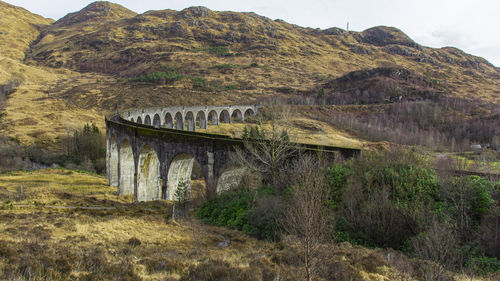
[180,170]
[148,177]
[151,161]
[113,179]
[230,178]
[127,169]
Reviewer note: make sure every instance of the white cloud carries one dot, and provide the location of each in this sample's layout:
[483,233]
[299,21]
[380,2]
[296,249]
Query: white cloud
[471,25]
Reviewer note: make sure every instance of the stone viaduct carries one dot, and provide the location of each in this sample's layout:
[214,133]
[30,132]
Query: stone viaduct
[189,118]
[149,151]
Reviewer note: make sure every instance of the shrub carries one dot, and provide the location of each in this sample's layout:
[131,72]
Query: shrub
[262,217]
[230,87]
[490,231]
[158,76]
[382,198]
[438,243]
[467,201]
[227,209]
[218,50]
[133,241]
[484,265]
[197,81]
[6,249]
[34,261]
[169,75]
[118,271]
[337,178]
[254,212]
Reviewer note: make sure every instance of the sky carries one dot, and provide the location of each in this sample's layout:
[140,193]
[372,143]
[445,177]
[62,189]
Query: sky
[471,25]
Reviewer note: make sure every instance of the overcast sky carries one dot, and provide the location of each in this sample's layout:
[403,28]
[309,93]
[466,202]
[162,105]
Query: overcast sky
[471,25]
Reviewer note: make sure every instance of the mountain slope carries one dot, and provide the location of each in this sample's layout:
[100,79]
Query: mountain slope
[222,58]
[295,57]
[18,28]
[28,115]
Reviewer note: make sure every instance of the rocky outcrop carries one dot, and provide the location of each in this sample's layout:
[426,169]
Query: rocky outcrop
[385,35]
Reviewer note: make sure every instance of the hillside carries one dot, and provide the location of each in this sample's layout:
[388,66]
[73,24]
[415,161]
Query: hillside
[79,66]
[18,29]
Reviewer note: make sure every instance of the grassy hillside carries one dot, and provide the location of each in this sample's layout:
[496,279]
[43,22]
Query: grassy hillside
[82,66]
[29,114]
[18,29]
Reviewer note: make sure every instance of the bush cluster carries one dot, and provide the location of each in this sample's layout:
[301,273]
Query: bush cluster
[221,51]
[168,75]
[252,211]
[391,200]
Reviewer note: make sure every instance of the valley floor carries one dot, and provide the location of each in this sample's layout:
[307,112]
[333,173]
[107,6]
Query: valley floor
[125,241]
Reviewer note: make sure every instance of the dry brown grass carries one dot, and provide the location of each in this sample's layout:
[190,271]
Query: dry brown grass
[138,242]
[18,29]
[302,130]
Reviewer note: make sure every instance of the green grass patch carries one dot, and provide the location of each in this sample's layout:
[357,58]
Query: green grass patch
[230,87]
[157,76]
[198,81]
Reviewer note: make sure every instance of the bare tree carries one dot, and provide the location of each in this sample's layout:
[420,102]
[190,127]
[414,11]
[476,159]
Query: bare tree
[267,151]
[306,217]
[437,244]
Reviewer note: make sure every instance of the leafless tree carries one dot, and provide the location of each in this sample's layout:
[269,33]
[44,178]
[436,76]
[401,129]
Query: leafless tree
[306,217]
[437,244]
[267,151]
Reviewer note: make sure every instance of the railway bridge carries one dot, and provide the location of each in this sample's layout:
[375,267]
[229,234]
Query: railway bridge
[150,151]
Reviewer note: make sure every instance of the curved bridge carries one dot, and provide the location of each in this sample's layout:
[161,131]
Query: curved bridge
[189,118]
[148,160]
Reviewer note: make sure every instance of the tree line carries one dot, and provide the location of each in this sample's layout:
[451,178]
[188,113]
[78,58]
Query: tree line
[84,149]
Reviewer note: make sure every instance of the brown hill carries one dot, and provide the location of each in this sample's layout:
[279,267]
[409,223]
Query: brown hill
[96,12]
[18,28]
[99,60]
[209,44]
[381,85]
[27,116]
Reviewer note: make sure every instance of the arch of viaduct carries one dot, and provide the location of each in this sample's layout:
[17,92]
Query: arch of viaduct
[189,118]
[148,160]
